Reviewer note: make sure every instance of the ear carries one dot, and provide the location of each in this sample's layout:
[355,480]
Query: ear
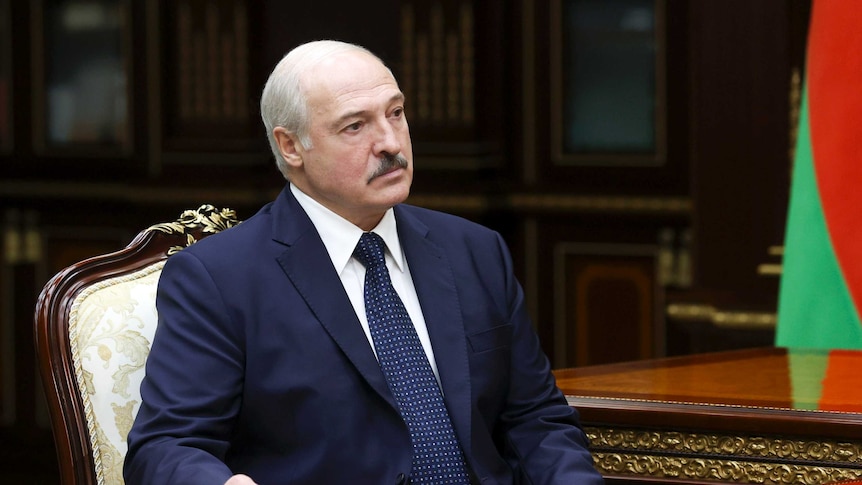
[289,146]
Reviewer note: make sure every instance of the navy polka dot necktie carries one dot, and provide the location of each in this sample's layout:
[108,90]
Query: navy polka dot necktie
[437,457]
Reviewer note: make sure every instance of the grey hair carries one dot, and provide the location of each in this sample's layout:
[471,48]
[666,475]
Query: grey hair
[283,102]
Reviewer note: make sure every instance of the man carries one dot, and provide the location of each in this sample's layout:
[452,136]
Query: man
[270,364]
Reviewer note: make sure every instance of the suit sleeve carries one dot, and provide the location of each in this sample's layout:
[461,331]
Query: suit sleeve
[192,389]
[544,440]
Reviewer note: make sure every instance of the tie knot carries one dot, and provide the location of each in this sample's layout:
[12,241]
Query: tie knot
[369,251]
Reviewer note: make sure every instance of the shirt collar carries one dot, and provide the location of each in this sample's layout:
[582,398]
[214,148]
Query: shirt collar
[340,236]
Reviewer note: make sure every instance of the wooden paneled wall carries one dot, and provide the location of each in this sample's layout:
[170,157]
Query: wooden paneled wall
[619,261]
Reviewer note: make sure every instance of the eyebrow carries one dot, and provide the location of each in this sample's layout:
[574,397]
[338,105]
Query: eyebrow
[399,97]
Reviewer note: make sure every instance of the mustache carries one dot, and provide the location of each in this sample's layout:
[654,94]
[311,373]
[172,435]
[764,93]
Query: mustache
[387,163]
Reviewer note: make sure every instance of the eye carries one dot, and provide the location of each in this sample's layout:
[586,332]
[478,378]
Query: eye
[353,126]
[398,112]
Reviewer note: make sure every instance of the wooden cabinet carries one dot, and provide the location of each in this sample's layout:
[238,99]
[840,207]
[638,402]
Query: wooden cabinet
[696,216]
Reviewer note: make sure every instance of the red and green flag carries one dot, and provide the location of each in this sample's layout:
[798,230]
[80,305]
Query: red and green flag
[821,285]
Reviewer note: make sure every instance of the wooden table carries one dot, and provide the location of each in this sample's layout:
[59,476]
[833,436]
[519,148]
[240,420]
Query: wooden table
[769,416]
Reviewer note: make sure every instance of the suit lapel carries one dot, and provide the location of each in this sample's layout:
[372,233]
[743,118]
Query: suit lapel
[309,268]
[438,297]
[306,263]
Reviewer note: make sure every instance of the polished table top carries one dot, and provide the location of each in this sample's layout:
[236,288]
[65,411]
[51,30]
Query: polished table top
[767,390]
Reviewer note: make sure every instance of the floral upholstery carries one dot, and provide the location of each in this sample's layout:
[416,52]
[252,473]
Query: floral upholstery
[111,327]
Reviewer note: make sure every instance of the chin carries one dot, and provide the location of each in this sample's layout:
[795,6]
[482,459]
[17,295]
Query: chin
[401,197]
[396,195]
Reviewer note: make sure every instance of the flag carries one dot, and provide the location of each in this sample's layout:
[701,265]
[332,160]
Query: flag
[820,294]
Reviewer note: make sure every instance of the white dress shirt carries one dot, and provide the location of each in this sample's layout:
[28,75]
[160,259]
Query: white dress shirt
[340,238]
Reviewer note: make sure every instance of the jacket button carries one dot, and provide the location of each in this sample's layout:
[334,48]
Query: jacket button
[402,480]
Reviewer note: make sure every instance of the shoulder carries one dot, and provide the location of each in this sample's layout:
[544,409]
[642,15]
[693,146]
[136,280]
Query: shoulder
[235,239]
[453,233]
[441,221]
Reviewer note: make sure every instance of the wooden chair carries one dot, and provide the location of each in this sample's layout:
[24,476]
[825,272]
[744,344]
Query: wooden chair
[94,325]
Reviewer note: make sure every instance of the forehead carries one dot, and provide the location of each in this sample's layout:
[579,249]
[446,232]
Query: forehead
[349,80]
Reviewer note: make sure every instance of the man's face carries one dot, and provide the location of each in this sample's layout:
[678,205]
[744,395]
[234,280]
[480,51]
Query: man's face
[356,121]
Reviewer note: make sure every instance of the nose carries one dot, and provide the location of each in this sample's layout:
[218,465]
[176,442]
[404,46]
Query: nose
[387,141]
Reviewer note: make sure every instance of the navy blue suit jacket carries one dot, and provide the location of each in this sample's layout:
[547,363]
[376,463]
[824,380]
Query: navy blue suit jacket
[260,366]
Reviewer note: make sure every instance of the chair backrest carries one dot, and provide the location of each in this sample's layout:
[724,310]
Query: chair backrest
[93,327]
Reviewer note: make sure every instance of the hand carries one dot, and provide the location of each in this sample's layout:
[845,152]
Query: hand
[240,480]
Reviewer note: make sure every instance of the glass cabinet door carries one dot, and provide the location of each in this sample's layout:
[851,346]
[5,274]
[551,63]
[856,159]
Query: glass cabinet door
[83,69]
[609,93]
